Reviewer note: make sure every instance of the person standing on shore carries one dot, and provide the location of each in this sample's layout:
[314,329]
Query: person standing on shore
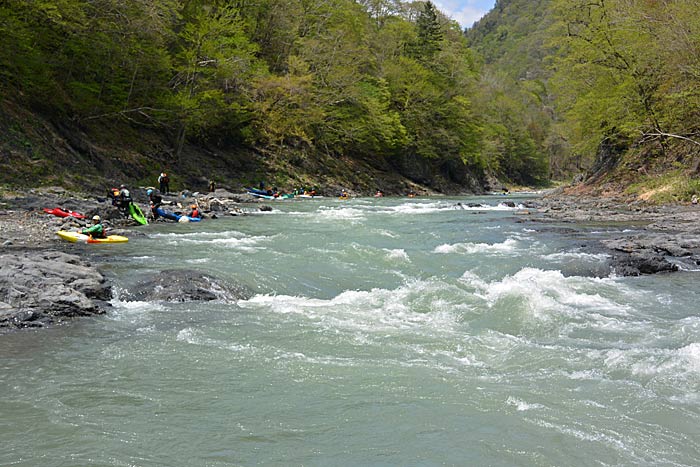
[164,182]
[124,199]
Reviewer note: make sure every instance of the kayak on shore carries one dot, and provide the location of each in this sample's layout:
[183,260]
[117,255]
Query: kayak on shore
[77,237]
[60,212]
[137,214]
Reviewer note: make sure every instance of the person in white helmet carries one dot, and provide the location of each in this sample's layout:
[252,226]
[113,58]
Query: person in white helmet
[96,230]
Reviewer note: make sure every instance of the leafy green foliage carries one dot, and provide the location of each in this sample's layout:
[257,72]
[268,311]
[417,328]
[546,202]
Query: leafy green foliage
[369,79]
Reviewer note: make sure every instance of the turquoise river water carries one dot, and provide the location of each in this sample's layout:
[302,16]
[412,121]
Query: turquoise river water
[381,332]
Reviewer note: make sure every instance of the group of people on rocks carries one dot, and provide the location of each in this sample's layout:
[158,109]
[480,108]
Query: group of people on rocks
[155,201]
[121,198]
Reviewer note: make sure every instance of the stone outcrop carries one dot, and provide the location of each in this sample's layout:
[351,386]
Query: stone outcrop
[44,287]
[670,240]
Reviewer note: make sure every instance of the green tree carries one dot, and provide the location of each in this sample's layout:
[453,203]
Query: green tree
[214,66]
[429,33]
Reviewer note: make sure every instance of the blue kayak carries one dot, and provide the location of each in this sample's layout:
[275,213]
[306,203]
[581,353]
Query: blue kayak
[175,217]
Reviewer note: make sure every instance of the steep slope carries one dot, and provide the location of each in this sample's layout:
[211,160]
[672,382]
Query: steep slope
[607,90]
[513,38]
[515,99]
[38,151]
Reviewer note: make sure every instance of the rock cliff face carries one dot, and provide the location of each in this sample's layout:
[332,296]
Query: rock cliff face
[45,287]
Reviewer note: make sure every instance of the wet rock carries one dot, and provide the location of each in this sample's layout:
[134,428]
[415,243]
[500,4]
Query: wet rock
[643,239]
[641,263]
[43,287]
[182,285]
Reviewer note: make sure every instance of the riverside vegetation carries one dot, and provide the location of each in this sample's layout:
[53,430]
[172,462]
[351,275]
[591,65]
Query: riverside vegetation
[360,94]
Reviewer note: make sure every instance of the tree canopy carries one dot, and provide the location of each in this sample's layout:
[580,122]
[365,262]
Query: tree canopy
[528,93]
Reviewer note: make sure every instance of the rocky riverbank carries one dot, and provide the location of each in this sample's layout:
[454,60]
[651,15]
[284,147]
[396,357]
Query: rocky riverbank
[43,281]
[646,239]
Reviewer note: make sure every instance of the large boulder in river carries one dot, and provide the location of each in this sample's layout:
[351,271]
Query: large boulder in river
[182,285]
[642,262]
[39,288]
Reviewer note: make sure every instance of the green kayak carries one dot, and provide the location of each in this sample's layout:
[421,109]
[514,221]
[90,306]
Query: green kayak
[137,214]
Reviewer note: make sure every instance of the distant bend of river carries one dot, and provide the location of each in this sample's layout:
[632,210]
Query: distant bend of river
[381,332]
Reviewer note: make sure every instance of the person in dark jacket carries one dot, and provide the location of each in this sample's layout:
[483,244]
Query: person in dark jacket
[164,182]
[124,198]
[155,201]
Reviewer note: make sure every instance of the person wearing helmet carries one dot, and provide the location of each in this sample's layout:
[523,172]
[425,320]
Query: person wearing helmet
[194,212]
[155,200]
[96,230]
[124,198]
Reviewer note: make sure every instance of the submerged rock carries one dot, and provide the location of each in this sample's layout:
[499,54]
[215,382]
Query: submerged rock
[182,285]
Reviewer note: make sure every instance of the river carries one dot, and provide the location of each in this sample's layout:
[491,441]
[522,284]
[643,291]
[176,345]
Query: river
[381,332]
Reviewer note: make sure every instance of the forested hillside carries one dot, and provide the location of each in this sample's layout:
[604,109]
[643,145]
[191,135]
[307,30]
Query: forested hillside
[357,93]
[304,88]
[605,87]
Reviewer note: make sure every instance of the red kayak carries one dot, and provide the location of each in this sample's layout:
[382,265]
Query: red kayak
[60,212]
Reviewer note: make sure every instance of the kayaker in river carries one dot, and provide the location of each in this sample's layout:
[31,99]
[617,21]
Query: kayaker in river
[96,230]
[194,212]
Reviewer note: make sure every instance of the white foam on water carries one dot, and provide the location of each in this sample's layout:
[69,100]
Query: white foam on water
[417,208]
[397,254]
[546,296]
[691,355]
[198,235]
[415,306]
[234,242]
[522,406]
[661,362]
[606,439]
[386,233]
[197,261]
[195,337]
[585,375]
[507,246]
[131,311]
[334,213]
[187,335]
[577,256]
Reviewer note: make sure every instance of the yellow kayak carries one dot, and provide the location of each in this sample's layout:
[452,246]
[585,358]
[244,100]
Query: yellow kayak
[77,237]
